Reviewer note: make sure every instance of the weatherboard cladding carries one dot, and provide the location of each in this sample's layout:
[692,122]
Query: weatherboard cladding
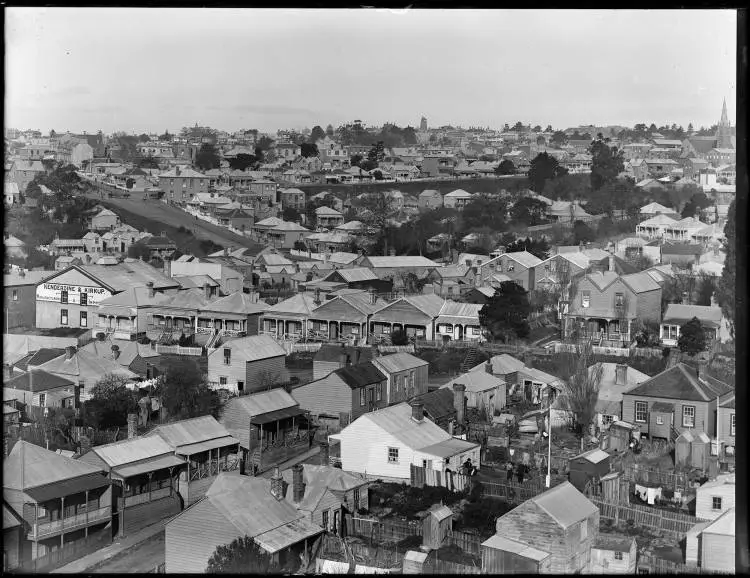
[402,311]
[327,396]
[340,309]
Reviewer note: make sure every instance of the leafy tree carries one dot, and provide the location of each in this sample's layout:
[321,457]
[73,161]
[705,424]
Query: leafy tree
[317,134]
[695,205]
[484,211]
[690,127]
[726,290]
[243,556]
[549,128]
[537,128]
[264,143]
[356,160]
[207,157]
[144,137]
[139,251]
[110,403]
[184,392]
[242,162]
[378,209]
[377,153]
[166,137]
[539,248]
[505,313]
[300,246]
[559,138]
[581,391]
[692,338]
[606,163]
[368,165]
[506,167]
[291,214]
[582,233]
[528,211]
[399,337]
[309,149]
[378,175]
[543,168]
[567,188]
[329,131]
[706,289]
[518,127]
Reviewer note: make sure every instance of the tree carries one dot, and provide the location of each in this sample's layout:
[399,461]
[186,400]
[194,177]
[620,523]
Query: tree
[582,233]
[143,137]
[207,157]
[505,313]
[559,138]
[148,162]
[166,137]
[139,251]
[378,209]
[543,168]
[299,245]
[242,162]
[528,211]
[264,143]
[606,163]
[581,391]
[537,128]
[309,149]
[539,248]
[329,131]
[706,289]
[484,211]
[110,403]
[695,205]
[506,167]
[355,160]
[243,556]
[317,134]
[726,290]
[291,214]
[399,337]
[184,392]
[692,338]
[377,153]
[518,127]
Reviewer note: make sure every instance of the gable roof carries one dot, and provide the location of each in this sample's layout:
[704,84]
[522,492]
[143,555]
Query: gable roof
[398,362]
[437,404]
[400,261]
[85,364]
[476,381]
[132,450]
[524,258]
[254,347]
[353,274]
[238,302]
[678,313]
[317,480]
[360,375]
[724,525]
[640,282]
[565,504]
[503,364]
[38,357]
[300,304]
[37,380]
[680,382]
[31,466]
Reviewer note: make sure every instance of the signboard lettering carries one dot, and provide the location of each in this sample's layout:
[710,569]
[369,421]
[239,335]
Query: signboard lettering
[51,292]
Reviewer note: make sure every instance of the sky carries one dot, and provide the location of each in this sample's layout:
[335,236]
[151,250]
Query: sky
[146,70]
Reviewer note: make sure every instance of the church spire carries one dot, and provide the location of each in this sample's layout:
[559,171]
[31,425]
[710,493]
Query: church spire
[724,118]
[723,130]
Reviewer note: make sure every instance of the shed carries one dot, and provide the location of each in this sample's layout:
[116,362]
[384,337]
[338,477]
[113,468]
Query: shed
[718,544]
[692,543]
[502,555]
[683,448]
[613,555]
[414,562]
[615,489]
[700,451]
[620,434]
[590,465]
[436,526]
[661,419]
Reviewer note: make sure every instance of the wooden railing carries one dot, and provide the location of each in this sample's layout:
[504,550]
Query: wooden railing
[41,530]
[213,467]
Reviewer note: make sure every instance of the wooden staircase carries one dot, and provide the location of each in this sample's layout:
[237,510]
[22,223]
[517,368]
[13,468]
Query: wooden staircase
[470,360]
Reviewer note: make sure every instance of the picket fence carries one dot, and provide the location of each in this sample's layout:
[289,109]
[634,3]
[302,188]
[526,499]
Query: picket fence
[662,520]
[439,566]
[178,350]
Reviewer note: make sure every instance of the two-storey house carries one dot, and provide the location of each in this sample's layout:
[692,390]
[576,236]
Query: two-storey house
[406,376]
[248,364]
[675,400]
[180,184]
[519,267]
[604,306]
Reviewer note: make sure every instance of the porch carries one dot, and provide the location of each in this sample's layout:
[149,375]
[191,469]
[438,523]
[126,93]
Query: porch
[50,517]
[605,332]
[381,331]
[330,329]
[290,328]
[278,436]
[210,462]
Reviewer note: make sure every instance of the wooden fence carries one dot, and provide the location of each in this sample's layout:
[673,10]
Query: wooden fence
[157,569]
[673,480]
[178,350]
[381,531]
[438,566]
[454,481]
[648,564]
[663,520]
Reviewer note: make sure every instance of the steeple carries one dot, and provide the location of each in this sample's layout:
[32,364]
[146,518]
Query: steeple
[724,118]
[723,130]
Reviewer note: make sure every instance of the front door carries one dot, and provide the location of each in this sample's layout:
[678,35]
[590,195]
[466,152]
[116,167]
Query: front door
[336,521]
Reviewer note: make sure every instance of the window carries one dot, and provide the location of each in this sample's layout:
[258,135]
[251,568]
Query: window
[84,319]
[15,294]
[716,502]
[732,424]
[585,298]
[510,267]
[240,385]
[362,397]
[42,399]
[63,296]
[222,380]
[641,410]
[607,419]
[227,356]
[619,299]
[63,316]
[325,520]
[392,455]
[378,392]
[84,298]
[659,420]
[356,499]
[618,555]
[688,416]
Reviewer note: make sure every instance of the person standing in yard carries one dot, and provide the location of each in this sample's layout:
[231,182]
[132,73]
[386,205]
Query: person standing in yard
[520,471]
[509,471]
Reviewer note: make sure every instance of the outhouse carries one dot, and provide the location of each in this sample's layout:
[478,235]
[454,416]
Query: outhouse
[683,448]
[436,526]
[700,451]
[590,465]
[620,434]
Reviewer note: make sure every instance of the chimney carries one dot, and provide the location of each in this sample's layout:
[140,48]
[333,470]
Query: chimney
[132,423]
[621,374]
[580,246]
[277,484]
[317,297]
[253,296]
[417,411]
[324,450]
[685,298]
[70,352]
[151,291]
[392,252]
[177,171]
[488,366]
[611,262]
[459,402]
[163,233]
[167,268]
[450,427]
[373,297]
[226,251]
[207,290]
[298,484]
[116,353]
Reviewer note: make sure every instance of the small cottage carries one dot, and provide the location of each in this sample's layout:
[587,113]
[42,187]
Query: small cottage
[612,555]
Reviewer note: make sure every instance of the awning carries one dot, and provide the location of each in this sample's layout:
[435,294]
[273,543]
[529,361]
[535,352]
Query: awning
[448,448]
[402,317]
[457,320]
[68,487]
[190,449]
[276,415]
[153,465]
[287,535]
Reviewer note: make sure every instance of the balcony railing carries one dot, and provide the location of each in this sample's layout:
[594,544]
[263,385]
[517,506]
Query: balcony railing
[44,529]
[146,497]
[213,467]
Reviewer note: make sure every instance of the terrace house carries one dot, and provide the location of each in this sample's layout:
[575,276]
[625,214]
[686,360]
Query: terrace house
[291,316]
[518,266]
[415,315]
[345,316]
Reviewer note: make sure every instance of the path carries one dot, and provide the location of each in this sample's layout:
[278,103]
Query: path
[118,546]
[296,460]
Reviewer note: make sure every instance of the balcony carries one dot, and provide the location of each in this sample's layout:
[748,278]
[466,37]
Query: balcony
[69,523]
[213,467]
[146,497]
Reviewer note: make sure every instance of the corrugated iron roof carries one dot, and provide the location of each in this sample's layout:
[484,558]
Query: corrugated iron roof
[252,348]
[682,313]
[260,403]
[594,456]
[190,431]
[565,504]
[380,262]
[679,382]
[151,465]
[448,448]
[398,362]
[524,258]
[132,450]
[437,404]
[456,309]
[476,381]
[360,375]
[353,274]
[29,466]
[301,304]
[498,542]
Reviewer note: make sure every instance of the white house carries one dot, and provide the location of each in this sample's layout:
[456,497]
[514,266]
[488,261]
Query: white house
[655,227]
[715,497]
[457,199]
[383,444]
[711,317]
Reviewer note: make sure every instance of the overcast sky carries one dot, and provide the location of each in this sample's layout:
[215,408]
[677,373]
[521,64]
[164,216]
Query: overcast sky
[153,69]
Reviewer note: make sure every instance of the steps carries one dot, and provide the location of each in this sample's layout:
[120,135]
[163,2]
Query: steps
[470,360]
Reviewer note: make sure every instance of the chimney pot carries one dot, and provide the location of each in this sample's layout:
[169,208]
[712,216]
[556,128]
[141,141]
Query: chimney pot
[277,484]
[417,411]
[132,425]
[151,291]
[70,352]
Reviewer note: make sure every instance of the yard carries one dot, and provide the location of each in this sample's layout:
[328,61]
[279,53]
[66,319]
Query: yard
[138,559]
[649,541]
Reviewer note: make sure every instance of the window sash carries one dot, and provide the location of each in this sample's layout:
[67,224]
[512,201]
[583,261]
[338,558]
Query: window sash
[641,409]
[392,455]
[688,416]
[732,424]
[716,502]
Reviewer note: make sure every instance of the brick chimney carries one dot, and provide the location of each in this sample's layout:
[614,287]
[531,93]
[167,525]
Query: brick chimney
[132,425]
[685,298]
[373,297]
[298,484]
[70,352]
[316,301]
[392,252]
[621,374]
[167,268]
[277,484]
[207,290]
[324,454]
[488,366]
[151,292]
[458,402]
[417,411]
